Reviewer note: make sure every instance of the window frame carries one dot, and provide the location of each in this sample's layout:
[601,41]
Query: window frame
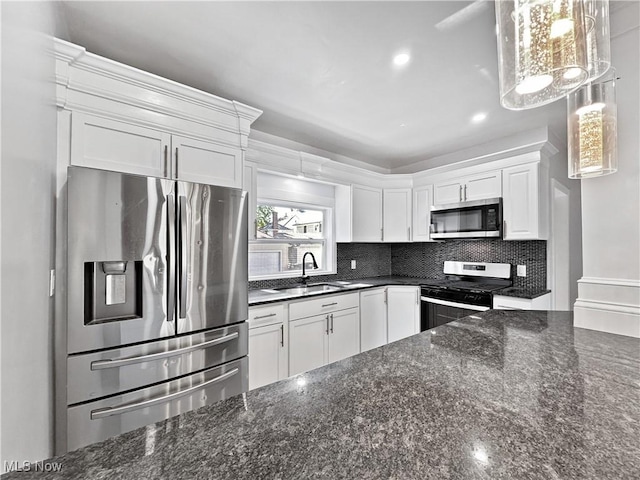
[329,240]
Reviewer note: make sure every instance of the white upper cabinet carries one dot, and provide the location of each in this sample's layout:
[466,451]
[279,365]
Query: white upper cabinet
[98,142]
[206,162]
[524,203]
[422,202]
[112,145]
[397,215]
[473,187]
[483,185]
[249,184]
[366,214]
[115,117]
[447,192]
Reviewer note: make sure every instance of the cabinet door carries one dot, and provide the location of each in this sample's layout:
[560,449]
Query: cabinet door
[308,343]
[206,162]
[373,319]
[98,142]
[267,355]
[481,186]
[422,201]
[344,337]
[447,192]
[366,214]
[520,205]
[249,185]
[396,215]
[403,312]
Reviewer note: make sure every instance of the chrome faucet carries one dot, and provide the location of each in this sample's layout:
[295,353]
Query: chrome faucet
[305,277]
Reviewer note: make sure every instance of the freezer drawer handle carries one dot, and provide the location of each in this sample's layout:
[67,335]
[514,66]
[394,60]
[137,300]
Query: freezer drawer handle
[121,362]
[110,411]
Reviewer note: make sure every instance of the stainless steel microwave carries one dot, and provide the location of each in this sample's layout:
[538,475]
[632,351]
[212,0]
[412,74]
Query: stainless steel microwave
[477,219]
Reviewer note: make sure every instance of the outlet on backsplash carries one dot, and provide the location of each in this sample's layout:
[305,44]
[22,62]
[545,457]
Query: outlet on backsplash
[522,271]
[353,264]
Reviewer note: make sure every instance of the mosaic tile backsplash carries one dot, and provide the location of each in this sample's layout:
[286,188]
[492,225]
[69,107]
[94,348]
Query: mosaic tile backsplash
[425,260]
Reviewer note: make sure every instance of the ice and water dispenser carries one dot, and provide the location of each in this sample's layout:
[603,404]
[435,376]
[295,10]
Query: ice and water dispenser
[113,291]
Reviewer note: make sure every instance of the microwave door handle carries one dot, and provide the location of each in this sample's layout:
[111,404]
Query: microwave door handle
[122,409]
[183,256]
[171,259]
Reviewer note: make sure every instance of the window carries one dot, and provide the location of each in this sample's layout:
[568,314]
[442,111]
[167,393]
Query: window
[284,233]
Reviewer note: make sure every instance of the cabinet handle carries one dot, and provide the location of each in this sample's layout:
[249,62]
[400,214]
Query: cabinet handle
[381,234]
[504,228]
[327,330]
[331,322]
[460,193]
[465,193]
[408,233]
[282,335]
[329,304]
[385,295]
[255,228]
[166,160]
[176,162]
[264,316]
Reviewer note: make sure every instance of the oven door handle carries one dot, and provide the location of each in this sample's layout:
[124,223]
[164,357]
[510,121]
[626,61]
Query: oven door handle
[453,304]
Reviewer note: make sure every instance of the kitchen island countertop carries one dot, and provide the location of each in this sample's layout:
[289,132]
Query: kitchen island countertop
[502,394]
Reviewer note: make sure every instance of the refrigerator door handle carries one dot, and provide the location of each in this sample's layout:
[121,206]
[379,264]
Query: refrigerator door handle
[171,261]
[182,260]
[121,362]
[121,409]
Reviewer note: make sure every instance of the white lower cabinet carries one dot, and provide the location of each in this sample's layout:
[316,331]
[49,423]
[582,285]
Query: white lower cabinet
[328,336]
[268,345]
[322,339]
[309,340]
[373,318]
[501,302]
[403,312]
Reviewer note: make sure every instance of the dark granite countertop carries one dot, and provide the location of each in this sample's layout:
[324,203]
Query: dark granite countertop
[498,395]
[529,293]
[265,295]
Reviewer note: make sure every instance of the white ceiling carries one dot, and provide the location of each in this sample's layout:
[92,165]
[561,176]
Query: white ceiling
[322,71]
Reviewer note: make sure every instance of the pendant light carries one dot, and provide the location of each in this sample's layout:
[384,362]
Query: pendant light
[596,15]
[542,50]
[592,132]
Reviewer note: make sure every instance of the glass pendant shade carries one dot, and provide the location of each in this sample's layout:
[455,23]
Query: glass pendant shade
[592,132]
[542,50]
[596,15]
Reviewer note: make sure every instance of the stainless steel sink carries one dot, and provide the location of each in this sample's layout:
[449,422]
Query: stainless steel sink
[309,289]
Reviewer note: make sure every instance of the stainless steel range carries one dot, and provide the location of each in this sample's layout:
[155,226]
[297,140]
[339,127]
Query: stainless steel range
[467,288]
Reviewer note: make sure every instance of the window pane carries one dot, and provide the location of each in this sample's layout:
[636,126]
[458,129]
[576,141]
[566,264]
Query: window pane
[267,258]
[289,222]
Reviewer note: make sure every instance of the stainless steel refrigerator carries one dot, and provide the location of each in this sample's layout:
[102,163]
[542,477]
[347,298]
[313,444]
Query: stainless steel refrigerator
[157,300]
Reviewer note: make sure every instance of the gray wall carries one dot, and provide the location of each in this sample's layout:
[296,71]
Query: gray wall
[27,209]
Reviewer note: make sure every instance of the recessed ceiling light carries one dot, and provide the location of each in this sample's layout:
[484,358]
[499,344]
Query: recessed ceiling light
[479,117]
[401,59]
[403,125]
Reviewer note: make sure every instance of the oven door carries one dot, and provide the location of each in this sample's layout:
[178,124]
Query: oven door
[435,312]
[478,219]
